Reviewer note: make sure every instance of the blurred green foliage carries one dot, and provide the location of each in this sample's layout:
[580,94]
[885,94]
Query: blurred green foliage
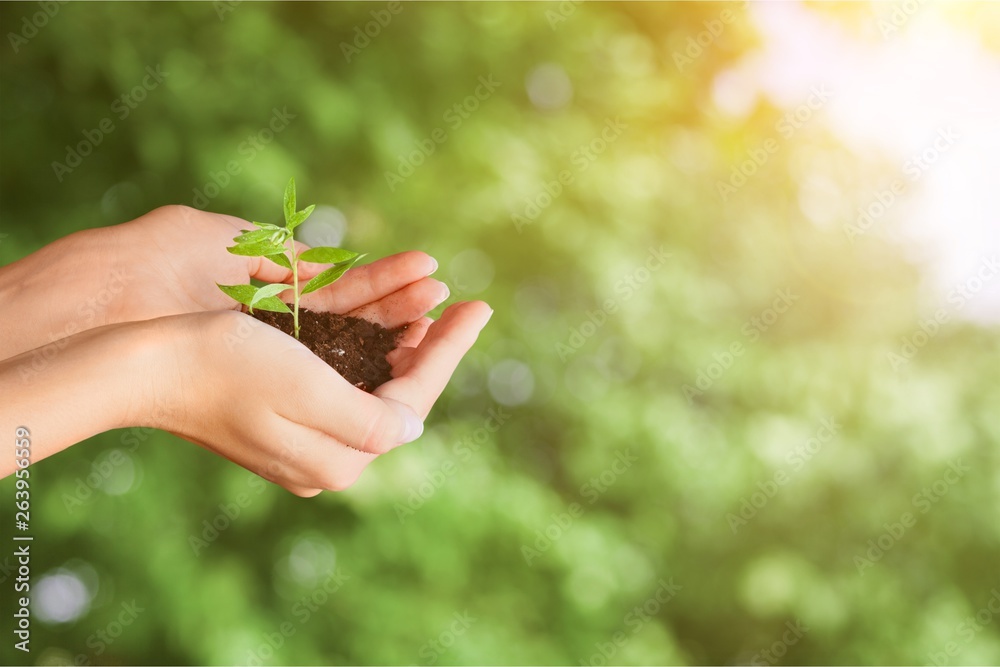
[618,390]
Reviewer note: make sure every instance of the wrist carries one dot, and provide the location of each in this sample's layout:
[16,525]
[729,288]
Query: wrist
[60,290]
[75,388]
[166,359]
[147,361]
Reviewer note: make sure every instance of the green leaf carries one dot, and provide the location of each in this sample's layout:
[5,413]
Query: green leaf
[327,255]
[267,225]
[246,293]
[289,201]
[242,293]
[268,291]
[254,236]
[274,304]
[280,260]
[258,249]
[300,217]
[329,276]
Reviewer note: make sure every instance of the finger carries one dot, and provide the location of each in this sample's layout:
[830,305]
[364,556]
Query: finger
[301,459]
[432,364]
[256,468]
[406,346]
[365,284]
[321,399]
[415,332]
[408,304]
[397,359]
[325,462]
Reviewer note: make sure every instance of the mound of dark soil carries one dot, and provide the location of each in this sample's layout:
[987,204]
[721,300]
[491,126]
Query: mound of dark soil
[355,348]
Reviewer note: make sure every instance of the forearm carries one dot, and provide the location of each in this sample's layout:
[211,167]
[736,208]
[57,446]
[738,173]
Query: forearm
[75,388]
[69,286]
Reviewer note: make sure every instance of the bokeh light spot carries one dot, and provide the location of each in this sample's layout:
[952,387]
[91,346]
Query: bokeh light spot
[61,597]
[511,382]
[549,87]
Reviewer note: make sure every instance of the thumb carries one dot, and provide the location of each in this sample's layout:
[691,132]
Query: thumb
[408,425]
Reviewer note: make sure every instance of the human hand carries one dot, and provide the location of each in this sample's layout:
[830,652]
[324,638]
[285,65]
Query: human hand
[177,254]
[238,387]
[167,263]
[261,399]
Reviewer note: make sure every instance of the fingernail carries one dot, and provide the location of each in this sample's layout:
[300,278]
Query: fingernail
[445,292]
[435,267]
[413,427]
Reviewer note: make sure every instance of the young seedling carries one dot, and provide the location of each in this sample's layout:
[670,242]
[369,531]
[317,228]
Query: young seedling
[278,245]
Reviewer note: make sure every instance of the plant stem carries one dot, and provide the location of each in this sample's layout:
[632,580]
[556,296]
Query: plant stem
[295,290]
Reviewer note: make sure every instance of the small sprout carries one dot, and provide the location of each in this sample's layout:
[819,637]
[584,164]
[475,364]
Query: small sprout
[278,245]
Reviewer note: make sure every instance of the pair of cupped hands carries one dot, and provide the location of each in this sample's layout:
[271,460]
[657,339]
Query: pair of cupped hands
[124,326]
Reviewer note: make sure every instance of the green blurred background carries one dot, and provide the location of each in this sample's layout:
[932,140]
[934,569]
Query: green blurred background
[506,526]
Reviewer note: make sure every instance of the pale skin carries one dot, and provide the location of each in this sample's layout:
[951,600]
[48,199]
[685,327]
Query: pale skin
[124,326]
